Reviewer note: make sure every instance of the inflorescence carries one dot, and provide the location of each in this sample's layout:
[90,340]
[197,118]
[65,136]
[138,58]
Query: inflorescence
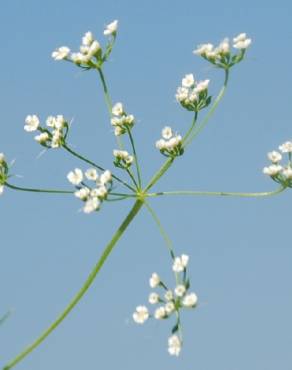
[93,195]
[90,54]
[282,174]
[169,302]
[93,188]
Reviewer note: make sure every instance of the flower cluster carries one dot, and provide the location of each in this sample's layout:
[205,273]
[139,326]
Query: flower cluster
[221,55]
[121,121]
[193,95]
[91,196]
[52,136]
[279,173]
[169,302]
[122,159]
[3,172]
[171,144]
[90,52]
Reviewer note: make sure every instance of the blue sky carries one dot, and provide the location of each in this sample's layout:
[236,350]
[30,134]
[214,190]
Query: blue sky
[240,249]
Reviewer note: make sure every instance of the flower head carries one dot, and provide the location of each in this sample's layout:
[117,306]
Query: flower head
[174,345]
[141,314]
[180,263]
[31,123]
[61,53]
[111,29]
[75,177]
[190,300]
[154,280]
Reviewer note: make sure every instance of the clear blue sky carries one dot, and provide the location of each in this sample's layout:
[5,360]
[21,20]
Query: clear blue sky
[240,249]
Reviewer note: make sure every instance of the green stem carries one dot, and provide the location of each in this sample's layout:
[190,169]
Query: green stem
[135,157]
[5,317]
[211,111]
[190,130]
[66,147]
[219,193]
[133,212]
[108,100]
[130,173]
[162,231]
[14,187]
[159,173]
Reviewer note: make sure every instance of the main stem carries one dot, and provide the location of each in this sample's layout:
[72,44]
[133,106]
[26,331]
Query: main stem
[133,212]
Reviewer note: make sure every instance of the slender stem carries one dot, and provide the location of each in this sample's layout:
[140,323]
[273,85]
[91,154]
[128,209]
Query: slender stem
[130,173]
[190,130]
[133,212]
[14,187]
[108,100]
[5,317]
[117,199]
[135,157]
[211,111]
[162,231]
[220,193]
[66,147]
[124,195]
[159,173]
[107,97]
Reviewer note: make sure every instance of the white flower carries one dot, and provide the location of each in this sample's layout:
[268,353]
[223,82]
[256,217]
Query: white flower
[2,158]
[182,94]
[91,174]
[82,193]
[154,280]
[223,47]
[287,172]
[180,290]
[118,131]
[153,298]
[190,300]
[87,39]
[141,314]
[272,170]
[274,156]
[94,47]
[188,80]
[180,263]
[286,147]
[169,307]
[91,205]
[122,154]
[167,133]
[42,138]
[241,41]
[99,192]
[160,313]
[1,189]
[160,144]
[111,28]
[204,49]
[168,295]
[105,177]
[61,53]
[59,122]
[118,109]
[201,86]
[31,123]
[174,345]
[75,177]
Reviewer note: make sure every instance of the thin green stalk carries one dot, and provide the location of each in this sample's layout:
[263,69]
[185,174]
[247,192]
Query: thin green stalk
[130,173]
[190,130]
[107,97]
[135,157]
[191,133]
[211,111]
[133,212]
[66,147]
[5,317]
[162,231]
[14,187]
[108,100]
[220,193]
[159,173]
